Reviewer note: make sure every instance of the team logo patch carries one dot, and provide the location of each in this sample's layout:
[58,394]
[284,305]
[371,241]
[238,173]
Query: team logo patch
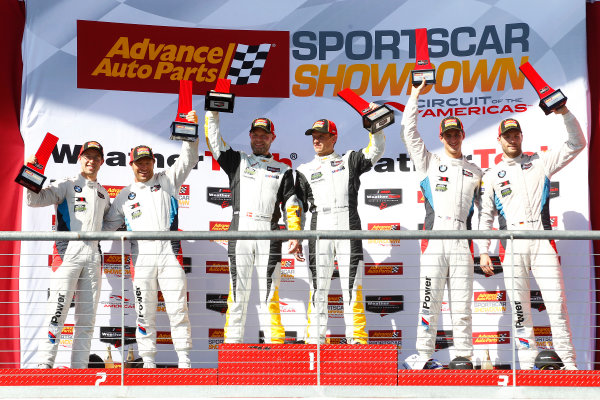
[440,187]
[131,196]
[450,122]
[524,342]
[318,124]
[443,168]
[506,192]
[155,188]
[134,205]
[526,165]
[338,170]
[511,123]
[100,195]
[502,174]
[316,176]
[336,163]
[142,330]
[249,171]
[51,337]
[79,208]
[424,323]
[467,173]
[273,169]
[77,189]
[505,183]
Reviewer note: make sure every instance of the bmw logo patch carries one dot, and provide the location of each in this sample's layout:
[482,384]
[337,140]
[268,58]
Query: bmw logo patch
[77,189]
[443,168]
[502,174]
[131,196]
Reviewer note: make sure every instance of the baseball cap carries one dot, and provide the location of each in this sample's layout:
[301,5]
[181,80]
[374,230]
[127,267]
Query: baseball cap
[91,145]
[139,152]
[322,125]
[451,123]
[263,123]
[508,124]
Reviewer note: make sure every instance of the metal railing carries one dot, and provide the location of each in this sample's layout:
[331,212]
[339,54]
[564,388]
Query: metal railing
[123,236]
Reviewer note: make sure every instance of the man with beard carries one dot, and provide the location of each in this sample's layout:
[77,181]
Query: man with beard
[518,190]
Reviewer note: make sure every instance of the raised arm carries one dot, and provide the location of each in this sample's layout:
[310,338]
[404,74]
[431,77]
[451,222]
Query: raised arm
[556,159]
[187,160]
[409,134]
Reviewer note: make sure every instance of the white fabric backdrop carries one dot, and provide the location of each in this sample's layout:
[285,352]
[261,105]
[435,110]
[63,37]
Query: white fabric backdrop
[470,36]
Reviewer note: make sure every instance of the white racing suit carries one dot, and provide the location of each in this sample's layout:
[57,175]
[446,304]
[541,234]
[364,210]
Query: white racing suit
[328,188]
[153,206]
[518,190]
[76,265]
[451,191]
[262,189]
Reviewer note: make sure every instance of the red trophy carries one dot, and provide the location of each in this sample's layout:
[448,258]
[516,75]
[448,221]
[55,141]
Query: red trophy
[423,68]
[373,120]
[181,128]
[550,99]
[220,99]
[32,175]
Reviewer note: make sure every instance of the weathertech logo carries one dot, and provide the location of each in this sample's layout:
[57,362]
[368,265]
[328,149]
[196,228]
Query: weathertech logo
[383,198]
[184,196]
[384,268]
[288,272]
[502,337]
[335,306]
[219,196]
[217,267]
[216,336]
[444,339]
[113,191]
[148,58]
[384,305]
[384,226]
[216,302]
[386,337]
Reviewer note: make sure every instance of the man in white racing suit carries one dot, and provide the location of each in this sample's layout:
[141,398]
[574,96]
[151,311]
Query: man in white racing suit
[328,187]
[518,190]
[81,204]
[151,204]
[262,189]
[450,186]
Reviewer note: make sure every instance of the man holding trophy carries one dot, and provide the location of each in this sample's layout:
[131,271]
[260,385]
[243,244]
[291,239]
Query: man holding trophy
[328,187]
[151,204]
[81,204]
[262,190]
[518,190]
[450,186]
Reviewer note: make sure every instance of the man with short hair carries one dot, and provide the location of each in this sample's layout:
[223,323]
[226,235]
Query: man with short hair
[81,204]
[262,190]
[328,187]
[151,204]
[518,190]
[450,186]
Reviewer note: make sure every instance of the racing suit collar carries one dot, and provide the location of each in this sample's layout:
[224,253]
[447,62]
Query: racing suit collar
[512,161]
[327,157]
[452,161]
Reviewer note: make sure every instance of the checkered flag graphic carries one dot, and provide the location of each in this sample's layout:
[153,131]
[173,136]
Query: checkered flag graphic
[248,63]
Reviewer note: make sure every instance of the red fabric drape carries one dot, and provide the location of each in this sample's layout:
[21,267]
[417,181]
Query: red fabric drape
[593,41]
[12,22]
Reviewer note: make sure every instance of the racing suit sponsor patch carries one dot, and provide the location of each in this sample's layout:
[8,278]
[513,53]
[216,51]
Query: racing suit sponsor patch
[506,192]
[440,187]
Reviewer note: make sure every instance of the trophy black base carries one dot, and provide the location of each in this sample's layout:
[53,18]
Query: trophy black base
[418,75]
[187,131]
[378,119]
[221,102]
[553,101]
[31,179]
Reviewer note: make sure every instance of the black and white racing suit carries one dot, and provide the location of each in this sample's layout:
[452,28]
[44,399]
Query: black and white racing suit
[81,205]
[328,188]
[450,187]
[153,206]
[262,189]
[518,191]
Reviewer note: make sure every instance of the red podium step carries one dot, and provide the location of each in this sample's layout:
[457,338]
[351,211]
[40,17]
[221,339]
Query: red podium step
[285,364]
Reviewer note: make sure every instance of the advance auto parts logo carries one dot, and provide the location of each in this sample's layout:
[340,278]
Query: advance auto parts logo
[148,58]
[384,226]
[386,337]
[501,337]
[490,302]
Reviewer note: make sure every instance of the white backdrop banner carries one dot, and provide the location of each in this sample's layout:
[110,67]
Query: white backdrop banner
[108,70]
